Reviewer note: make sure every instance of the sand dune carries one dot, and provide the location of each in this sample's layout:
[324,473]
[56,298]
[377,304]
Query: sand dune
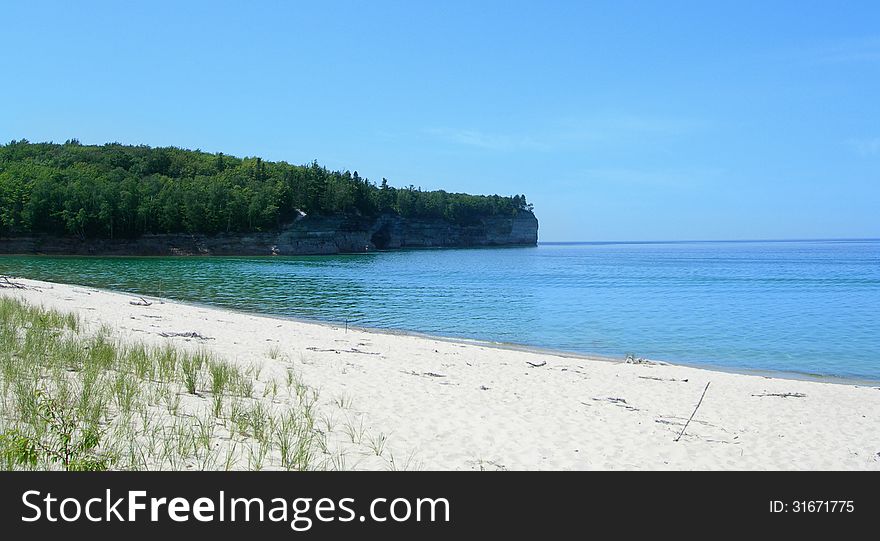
[454,405]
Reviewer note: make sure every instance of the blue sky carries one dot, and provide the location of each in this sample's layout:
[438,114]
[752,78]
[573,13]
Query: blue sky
[619,120]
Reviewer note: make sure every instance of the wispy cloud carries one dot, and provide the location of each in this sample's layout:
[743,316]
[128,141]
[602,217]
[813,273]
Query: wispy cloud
[865,147]
[571,132]
[628,125]
[658,178]
[490,141]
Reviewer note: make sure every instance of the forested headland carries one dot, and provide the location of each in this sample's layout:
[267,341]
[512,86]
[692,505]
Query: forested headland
[121,191]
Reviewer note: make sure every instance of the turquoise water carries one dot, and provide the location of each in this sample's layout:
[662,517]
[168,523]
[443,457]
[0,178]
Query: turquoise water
[808,307]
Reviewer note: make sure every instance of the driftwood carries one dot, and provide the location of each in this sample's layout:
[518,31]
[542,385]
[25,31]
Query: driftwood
[621,402]
[632,359]
[423,374]
[536,365]
[680,434]
[352,350]
[783,395]
[140,302]
[6,283]
[662,379]
[195,335]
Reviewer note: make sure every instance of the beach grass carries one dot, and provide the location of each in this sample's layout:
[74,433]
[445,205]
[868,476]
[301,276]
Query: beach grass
[78,400]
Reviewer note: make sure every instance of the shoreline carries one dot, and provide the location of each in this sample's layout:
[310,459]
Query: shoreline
[262,255]
[563,353]
[462,404]
[510,346]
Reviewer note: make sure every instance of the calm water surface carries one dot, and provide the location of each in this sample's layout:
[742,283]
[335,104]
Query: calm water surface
[808,307]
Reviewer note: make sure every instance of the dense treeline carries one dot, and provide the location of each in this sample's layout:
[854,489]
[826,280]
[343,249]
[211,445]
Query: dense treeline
[120,191]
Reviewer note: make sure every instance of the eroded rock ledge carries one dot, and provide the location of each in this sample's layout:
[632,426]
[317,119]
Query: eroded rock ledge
[309,235]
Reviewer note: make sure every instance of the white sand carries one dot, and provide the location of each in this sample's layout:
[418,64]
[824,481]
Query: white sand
[452,405]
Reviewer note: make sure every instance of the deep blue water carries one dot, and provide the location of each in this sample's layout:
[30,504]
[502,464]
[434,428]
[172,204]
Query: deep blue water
[808,306]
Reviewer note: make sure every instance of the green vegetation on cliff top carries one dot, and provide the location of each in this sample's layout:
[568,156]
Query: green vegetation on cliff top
[122,191]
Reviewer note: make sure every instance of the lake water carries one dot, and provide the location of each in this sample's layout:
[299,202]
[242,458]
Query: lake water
[808,306]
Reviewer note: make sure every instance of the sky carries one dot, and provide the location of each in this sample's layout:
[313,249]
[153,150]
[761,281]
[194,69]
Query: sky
[618,120]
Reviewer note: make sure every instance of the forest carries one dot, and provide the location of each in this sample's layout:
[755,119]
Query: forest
[124,191]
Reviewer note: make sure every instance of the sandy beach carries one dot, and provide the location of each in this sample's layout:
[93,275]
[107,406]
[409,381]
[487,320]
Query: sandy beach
[442,404]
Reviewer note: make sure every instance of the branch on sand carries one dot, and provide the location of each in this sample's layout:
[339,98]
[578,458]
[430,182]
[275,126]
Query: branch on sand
[6,283]
[195,335]
[680,434]
[423,374]
[663,379]
[536,365]
[351,350]
[620,402]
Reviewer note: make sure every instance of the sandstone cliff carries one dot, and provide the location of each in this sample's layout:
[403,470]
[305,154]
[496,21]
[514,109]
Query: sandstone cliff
[309,235]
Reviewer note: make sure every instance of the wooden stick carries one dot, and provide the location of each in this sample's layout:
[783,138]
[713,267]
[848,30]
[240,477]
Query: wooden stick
[536,365]
[5,282]
[680,434]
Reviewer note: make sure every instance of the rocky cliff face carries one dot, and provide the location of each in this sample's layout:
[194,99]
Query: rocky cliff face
[309,235]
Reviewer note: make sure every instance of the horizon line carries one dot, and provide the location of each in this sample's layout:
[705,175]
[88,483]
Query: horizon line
[697,241]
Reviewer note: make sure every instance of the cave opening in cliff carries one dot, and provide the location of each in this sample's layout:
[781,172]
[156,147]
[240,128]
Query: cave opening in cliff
[382,237]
